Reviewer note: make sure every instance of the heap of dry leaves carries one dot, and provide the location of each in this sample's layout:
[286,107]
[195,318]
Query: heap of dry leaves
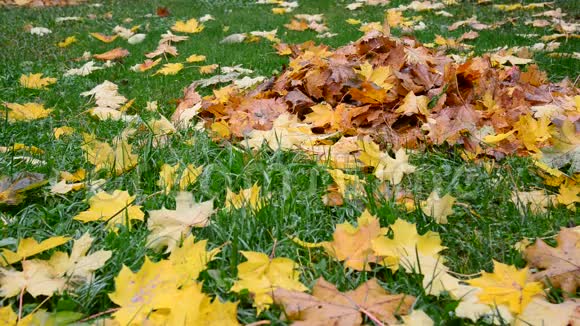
[403,94]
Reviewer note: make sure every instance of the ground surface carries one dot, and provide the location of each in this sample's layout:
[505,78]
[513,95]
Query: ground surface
[483,228]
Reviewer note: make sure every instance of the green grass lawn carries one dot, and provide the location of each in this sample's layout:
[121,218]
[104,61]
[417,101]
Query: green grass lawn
[484,228]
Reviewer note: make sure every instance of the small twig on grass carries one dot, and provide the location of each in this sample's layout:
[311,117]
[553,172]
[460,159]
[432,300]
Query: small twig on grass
[20,299]
[371,316]
[98,314]
[40,305]
[273,254]
[258,323]
[464,275]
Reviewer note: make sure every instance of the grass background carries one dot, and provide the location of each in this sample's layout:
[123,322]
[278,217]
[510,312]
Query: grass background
[295,183]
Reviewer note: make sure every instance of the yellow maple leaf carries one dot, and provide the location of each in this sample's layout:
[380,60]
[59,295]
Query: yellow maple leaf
[35,81]
[191,259]
[348,184]
[115,208]
[67,42]
[168,176]
[152,287]
[104,38]
[7,316]
[63,188]
[393,169]
[494,139]
[569,194]
[246,197]
[370,153]
[438,207]
[407,246]
[323,114]
[168,227]
[26,111]
[470,307]
[380,76]
[169,69]
[191,26]
[118,159]
[353,245]
[280,10]
[413,104]
[29,247]
[208,69]
[506,285]
[62,131]
[372,26]
[78,267]
[36,278]
[17,147]
[79,175]
[192,307]
[537,201]
[195,58]
[261,274]
[352,21]
[532,132]
[189,176]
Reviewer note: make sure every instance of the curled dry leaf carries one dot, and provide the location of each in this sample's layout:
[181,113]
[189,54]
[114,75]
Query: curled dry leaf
[12,188]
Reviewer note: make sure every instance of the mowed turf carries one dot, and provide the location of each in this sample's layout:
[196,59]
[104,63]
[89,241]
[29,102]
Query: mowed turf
[483,228]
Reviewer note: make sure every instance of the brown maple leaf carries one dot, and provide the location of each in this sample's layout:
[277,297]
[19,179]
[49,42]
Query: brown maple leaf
[561,265]
[328,306]
[114,54]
